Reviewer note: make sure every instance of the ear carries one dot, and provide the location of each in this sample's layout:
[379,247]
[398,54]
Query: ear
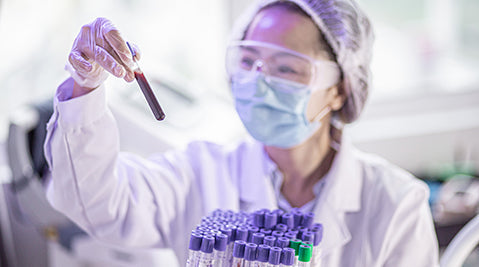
[335,99]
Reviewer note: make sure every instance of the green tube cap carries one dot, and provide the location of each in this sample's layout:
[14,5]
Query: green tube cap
[294,244]
[305,253]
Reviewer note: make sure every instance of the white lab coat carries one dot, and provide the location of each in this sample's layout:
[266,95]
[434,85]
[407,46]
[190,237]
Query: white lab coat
[374,214]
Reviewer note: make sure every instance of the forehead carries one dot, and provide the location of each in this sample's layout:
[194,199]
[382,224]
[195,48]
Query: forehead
[279,26]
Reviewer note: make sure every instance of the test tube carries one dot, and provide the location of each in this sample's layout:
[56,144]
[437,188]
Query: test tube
[219,254]
[238,253]
[274,257]
[282,242]
[294,244]
[288,220]
[258,218]
[269,240]
[270,220]
[308,219]
[250,255]
[281,227]
[251,230]
[207,245]
[287,257]
[318,237]
[229,247]
[298,218]
[146,89]
[257,238]
[263,255]
[304,256]
[194,250]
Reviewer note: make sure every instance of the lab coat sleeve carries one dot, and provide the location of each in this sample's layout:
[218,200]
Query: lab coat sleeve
[112,196]
[411,238]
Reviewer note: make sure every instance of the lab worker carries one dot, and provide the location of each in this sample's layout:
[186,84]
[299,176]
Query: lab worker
[299,71]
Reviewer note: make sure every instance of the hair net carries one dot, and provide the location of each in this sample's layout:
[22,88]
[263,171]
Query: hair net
[348,31]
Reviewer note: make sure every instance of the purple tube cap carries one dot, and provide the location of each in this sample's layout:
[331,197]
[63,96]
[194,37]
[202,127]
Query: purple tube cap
[275,256]
[207,244]
[287,256]
[258,238]
[288,220]
[241,234]
[308,236]
[221,240]
[270,220]
[269,240]
[263,253]
[258,218]
[250,252]
[238,249]
[308,219]
[195,241]
[282,242]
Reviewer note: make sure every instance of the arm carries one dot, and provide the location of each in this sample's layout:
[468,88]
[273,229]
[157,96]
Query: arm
[411,238]
[108,194]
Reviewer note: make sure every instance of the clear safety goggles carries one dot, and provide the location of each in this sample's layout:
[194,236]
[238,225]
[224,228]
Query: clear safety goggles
[243,57]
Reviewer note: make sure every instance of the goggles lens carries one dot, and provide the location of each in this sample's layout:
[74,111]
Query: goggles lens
[275,61]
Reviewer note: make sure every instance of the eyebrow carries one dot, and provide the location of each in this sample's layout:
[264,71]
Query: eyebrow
[277,54]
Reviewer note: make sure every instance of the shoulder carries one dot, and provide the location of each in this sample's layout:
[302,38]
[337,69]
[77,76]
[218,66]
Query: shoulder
[389,182]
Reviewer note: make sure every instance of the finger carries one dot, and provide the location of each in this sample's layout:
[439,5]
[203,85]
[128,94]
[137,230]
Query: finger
[119,46]
[104,59]
[79,63]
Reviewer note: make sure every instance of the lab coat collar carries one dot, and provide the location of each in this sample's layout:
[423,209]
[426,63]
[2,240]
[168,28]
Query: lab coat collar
[342,193]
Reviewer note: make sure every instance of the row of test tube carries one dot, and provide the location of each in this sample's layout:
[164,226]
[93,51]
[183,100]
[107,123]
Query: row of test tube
[263,238]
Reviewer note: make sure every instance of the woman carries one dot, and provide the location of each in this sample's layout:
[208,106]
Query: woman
[298,70]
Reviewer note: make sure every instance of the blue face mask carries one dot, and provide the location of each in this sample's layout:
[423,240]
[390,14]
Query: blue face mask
[273,111]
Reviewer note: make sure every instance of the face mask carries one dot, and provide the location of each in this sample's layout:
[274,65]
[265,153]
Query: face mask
[273,111]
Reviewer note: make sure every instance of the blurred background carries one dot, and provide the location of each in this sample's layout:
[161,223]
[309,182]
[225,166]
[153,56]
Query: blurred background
[423,110]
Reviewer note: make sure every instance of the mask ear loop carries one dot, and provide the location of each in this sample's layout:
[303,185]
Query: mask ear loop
[321,114]
[336,132]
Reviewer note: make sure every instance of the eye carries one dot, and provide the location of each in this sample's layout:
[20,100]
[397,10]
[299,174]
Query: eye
[286,70]
[246,62]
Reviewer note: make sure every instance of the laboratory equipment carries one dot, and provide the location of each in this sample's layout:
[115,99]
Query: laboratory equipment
[146,89]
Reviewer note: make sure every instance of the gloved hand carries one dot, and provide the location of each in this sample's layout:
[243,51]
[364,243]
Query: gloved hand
[99,47]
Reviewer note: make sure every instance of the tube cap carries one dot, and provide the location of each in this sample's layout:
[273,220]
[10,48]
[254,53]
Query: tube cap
[287,257]
[263,253]
[318,234]
[269,240]
[308,219]
[265,231]
[290,235]
[238,249]
[288,220]
[207,244]
[294,244]
[258,218]
[278,212]
[281,227]
[221,240]
[270,220]
[282,242]
[305,253]
[251,231]
[228,232]
[257,238]
[250,252]
[195,241]
[277,234]
[308,236]
[298,218]
[274,256]
[241,234]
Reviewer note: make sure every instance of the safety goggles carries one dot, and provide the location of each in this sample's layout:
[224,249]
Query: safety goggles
[243,57]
